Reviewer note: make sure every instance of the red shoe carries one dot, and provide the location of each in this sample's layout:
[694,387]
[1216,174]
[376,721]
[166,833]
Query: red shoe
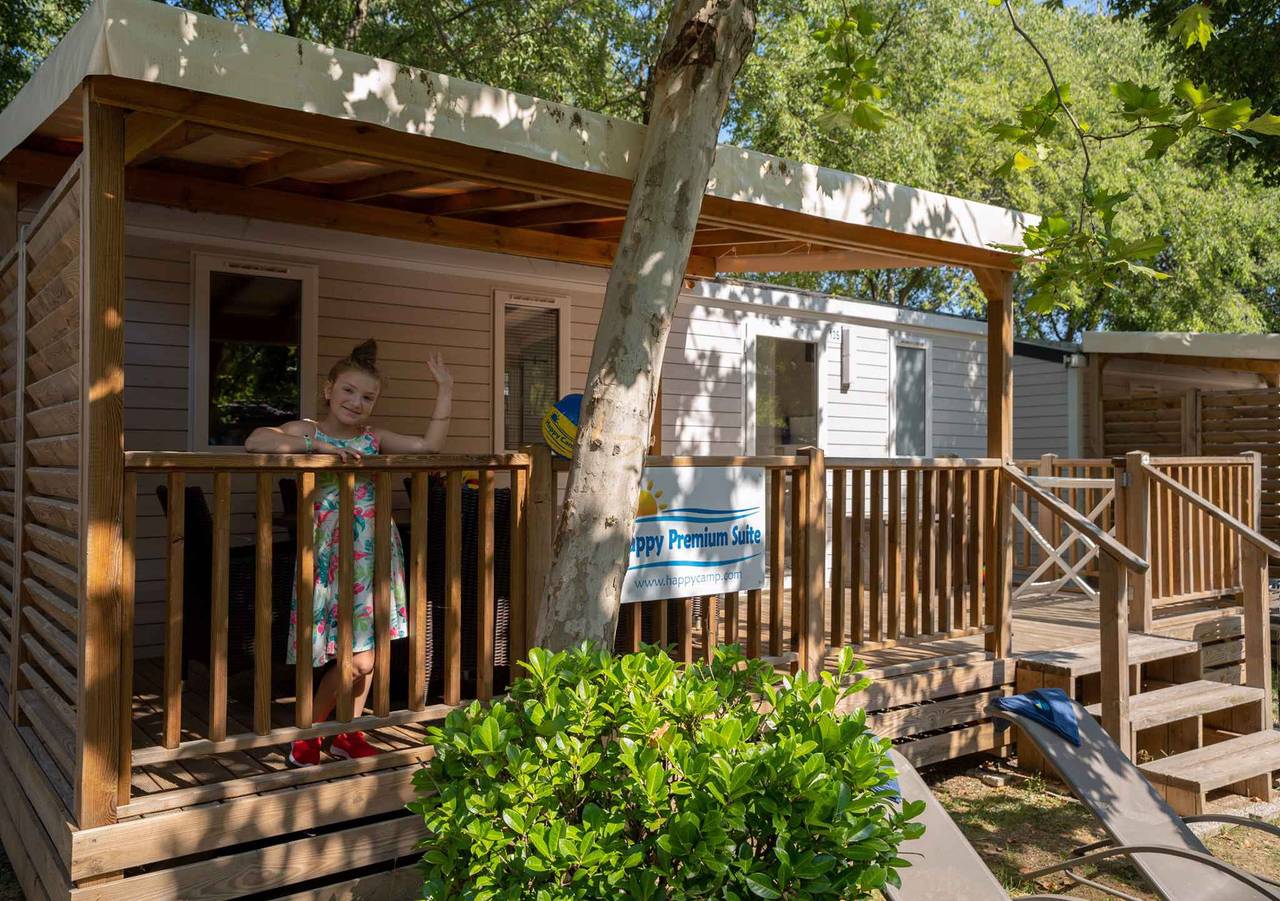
[304,752]
[352,746]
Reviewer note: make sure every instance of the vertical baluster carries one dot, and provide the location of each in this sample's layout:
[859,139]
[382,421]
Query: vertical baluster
[709,623]
[929,541]
[753,622]
[419,615]
[875,560]
[262,609]
[799,529]
[484,587]
[685,607]
[382,526]
[959,546]
[453,589]
[634,624]
[1159,529]
[304,628]
[977,504]
[911,567]
[730,603]
[174,559]
[661,624]
[777,558]
[893,582]
[346,593]
[218,615]
[858,484]
[945,518]
[516,581]
[128,582]
[837,557]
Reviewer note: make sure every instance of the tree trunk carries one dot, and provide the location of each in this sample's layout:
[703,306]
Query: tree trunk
[704,46]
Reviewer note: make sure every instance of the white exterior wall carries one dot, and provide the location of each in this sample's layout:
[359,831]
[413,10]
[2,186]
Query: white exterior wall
[417,299]
[1043,400]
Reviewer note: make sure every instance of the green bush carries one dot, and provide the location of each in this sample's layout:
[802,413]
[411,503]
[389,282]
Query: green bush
[633,777]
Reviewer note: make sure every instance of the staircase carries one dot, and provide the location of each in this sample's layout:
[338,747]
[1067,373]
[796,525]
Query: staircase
[1192,735]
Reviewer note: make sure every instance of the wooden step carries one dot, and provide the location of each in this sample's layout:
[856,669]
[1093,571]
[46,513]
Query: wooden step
[1086,659]
[1244,763]
[1180,702]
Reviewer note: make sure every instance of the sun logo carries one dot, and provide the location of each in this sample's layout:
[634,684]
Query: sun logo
[649,505]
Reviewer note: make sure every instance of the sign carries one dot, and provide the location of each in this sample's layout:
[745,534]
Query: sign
[699,530]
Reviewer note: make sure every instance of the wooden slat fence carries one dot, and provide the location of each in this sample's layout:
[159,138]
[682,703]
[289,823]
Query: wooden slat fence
[909,541]
[1237,422]
[1154,423]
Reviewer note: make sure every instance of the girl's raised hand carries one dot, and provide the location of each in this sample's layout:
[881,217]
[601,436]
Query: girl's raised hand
[345,454]
[439,371]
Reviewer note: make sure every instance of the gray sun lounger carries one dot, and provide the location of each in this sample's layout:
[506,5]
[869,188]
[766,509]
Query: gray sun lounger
[1141,826]
[944,866]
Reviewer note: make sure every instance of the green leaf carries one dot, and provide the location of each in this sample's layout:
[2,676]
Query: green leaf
[1193,25]
[760,887]
[1229,115]
[869,116]
[1266,124]
[1159,141]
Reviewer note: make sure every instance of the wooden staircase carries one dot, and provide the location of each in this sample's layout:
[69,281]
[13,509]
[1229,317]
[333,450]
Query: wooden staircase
[1192,735]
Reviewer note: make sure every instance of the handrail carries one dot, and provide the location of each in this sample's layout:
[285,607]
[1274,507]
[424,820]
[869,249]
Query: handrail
[182,461]
[919,463]
[1247,533]
[1078,521]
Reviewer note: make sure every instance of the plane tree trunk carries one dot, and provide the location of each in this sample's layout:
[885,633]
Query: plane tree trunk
[701,53]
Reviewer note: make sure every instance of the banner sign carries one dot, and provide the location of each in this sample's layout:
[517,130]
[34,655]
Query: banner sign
[699,530]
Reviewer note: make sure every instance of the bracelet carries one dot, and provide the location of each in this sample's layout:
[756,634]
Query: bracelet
[439,418]
[307,441]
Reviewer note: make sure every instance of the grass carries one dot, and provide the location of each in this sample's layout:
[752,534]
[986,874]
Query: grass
[1031,823]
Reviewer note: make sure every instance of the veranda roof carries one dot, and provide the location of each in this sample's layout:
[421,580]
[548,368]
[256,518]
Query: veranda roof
[227,118]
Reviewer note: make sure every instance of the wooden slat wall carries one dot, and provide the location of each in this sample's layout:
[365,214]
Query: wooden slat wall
[1152,424]
[1237,422]
[11,323]
[46,657]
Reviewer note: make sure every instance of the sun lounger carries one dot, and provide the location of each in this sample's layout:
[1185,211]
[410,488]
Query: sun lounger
[1141,826]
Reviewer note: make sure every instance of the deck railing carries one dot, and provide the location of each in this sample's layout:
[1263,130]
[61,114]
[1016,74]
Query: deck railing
[909,549]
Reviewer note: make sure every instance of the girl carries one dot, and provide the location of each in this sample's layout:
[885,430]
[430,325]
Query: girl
[350,393]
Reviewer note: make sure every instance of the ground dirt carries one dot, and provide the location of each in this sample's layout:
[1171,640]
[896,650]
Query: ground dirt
[1032,822]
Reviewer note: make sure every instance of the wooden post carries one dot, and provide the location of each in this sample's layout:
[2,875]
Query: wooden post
[1191,422]
[17,652]
[8,218]
[837,557]
[997,285]
[98,738]
[541,531]
[1254,566]
[1097,433]
[1137,532]
[813,653]
[1114,635]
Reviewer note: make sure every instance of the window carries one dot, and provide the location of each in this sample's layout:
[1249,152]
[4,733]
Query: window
[531,364]
[786,393]
[253,348]
[910,400]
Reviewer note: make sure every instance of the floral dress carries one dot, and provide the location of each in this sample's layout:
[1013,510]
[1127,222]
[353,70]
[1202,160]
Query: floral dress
[325,598]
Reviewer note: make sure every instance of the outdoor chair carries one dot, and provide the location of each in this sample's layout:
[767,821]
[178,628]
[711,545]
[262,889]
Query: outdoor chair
[1141,826]
[944,866]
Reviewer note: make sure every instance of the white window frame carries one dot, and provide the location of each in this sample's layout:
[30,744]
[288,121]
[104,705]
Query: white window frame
[502,298]
[808,331]
[923,343]
[202,266]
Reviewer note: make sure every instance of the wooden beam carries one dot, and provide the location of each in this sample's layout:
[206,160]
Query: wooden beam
[98,739]
[35,168]
[142,131]
[388,183]
[210,195]
[291,162]
[823,260]
[358,140]
[470,201]
[725,237]
[1266,367]
[559,214]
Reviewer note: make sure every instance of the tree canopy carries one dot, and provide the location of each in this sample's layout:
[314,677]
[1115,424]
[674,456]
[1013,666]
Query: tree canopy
[950,70]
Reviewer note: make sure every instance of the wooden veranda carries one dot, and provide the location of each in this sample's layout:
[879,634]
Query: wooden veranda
[161,777]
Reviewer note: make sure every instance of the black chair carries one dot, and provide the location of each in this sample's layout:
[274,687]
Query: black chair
[197,579]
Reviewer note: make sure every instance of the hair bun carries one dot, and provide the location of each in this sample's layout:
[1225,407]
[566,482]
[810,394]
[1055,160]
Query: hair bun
[366,354]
